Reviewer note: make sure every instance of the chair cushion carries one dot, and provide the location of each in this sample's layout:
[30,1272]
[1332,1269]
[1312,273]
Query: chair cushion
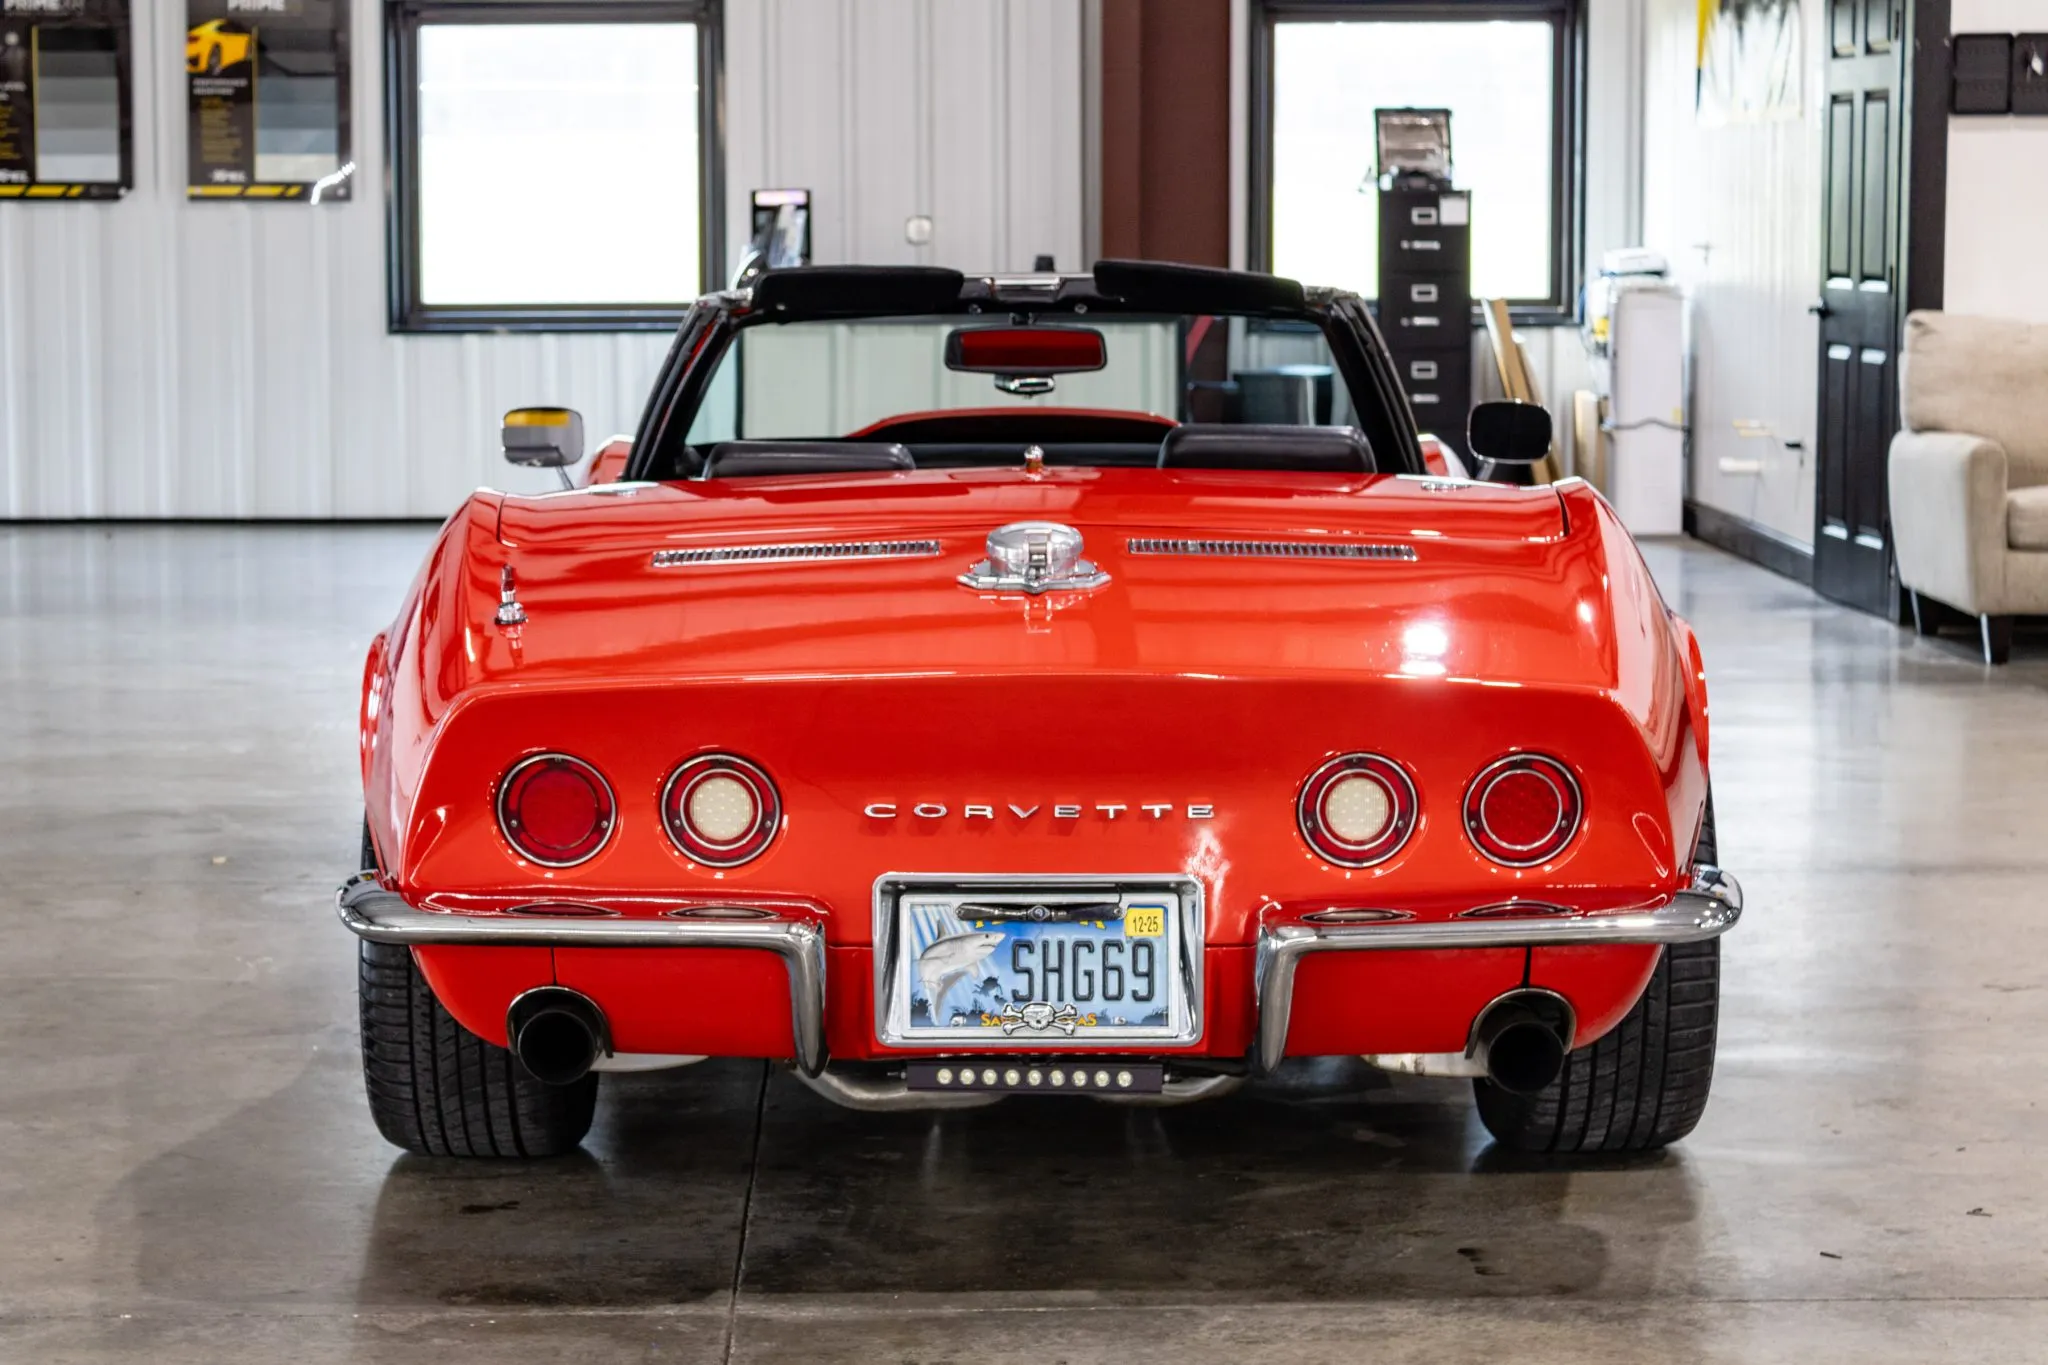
[1984,376]
[744,459]
[1331,450]
[2026,518]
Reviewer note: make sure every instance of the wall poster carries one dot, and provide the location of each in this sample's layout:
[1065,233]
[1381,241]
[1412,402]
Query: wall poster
[1749,54]
[267,100]
[65,125]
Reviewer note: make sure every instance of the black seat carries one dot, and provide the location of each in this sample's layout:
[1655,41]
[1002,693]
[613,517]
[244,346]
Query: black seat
[761,459]
[1320,450]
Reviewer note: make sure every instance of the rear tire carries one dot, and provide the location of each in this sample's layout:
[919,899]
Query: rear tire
[1644,1084]
[437,1089]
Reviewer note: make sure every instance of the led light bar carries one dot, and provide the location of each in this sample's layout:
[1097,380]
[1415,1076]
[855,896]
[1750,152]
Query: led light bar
[1020,1075]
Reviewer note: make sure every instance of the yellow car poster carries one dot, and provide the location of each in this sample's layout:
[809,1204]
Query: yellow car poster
[216,45]
[267,100]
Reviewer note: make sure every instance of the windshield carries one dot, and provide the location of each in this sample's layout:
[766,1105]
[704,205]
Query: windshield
[903,378]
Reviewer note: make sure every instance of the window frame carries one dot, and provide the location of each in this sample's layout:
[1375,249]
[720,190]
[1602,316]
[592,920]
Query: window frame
[1567,19]
[403,20]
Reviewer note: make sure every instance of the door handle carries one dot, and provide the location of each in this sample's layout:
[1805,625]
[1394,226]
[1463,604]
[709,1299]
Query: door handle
[1820,308]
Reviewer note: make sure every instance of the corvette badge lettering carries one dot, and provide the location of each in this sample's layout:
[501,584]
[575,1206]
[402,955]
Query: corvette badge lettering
[1108,810]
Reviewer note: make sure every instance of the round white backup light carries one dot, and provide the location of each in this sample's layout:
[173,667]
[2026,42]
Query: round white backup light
[722,809]
[1357,809]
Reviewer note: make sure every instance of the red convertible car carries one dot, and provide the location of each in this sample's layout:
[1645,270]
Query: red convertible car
[965,687]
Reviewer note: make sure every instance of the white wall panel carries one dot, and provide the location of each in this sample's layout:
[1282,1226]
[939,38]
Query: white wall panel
[1614,127]
[1997,190]
[964,111]
[166,359]
[1737,211]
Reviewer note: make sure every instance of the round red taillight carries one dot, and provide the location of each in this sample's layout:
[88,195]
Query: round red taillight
[556,810]
[1523,809]
[720,810]
[1357,810]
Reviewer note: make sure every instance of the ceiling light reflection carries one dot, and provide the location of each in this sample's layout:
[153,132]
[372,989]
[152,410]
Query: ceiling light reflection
[1423,646]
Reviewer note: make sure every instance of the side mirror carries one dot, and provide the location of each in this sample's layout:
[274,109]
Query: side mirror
[544,438]
[1509,432]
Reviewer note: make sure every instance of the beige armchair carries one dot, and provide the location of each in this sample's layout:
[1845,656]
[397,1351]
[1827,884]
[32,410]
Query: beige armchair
[1969,473]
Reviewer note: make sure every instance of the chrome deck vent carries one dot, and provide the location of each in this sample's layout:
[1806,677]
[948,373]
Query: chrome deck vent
[1268,549]
[796,552]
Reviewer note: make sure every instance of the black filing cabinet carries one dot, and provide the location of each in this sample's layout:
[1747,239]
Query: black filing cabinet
[1425,303]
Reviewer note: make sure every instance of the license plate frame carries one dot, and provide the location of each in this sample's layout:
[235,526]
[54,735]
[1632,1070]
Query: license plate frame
[900,895]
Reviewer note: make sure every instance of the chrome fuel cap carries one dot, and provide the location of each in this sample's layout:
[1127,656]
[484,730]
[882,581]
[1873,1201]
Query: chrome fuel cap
[1034,557]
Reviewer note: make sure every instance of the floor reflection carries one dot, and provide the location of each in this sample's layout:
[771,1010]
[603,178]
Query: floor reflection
[1329,1184]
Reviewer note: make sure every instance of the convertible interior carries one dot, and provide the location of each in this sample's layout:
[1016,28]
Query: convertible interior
[1107,440]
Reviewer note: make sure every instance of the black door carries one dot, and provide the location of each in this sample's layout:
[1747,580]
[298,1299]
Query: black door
[1861,299]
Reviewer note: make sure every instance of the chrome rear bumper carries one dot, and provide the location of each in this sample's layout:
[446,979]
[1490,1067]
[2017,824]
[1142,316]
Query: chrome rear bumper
[382,916]
[1706,909]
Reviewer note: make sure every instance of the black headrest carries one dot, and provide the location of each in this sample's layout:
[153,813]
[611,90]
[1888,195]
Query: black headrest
[743,459]
[1173,288]
[856,290]
[1332,450]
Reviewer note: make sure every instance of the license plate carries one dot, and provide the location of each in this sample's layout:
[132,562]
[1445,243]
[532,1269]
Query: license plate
[1036,963]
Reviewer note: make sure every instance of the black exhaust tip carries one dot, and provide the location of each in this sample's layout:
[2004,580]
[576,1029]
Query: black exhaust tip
[1520,1040]
[557,1034]
[1525,1057]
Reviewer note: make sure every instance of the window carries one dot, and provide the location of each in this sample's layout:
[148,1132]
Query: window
[820,379]
[552,164]
[824,379]
[1509,74]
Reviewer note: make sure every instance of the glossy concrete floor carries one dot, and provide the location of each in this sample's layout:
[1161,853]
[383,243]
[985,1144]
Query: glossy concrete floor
[187,1171]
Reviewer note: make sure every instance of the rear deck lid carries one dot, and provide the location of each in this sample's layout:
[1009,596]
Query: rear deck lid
[1208,573]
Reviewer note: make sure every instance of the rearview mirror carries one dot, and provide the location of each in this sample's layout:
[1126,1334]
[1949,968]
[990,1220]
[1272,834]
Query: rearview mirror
[1509,432]
[543,438]
[1025,352]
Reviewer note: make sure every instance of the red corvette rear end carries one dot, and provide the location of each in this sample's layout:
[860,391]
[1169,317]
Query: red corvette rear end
[949,783]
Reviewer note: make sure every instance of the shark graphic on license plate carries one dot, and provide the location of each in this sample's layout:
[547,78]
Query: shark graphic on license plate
[1033,965]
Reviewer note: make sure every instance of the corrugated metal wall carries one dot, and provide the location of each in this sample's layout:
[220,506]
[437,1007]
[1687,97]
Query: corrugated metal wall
[967,111]
[1737,210]
[1997,190]
[165,359]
